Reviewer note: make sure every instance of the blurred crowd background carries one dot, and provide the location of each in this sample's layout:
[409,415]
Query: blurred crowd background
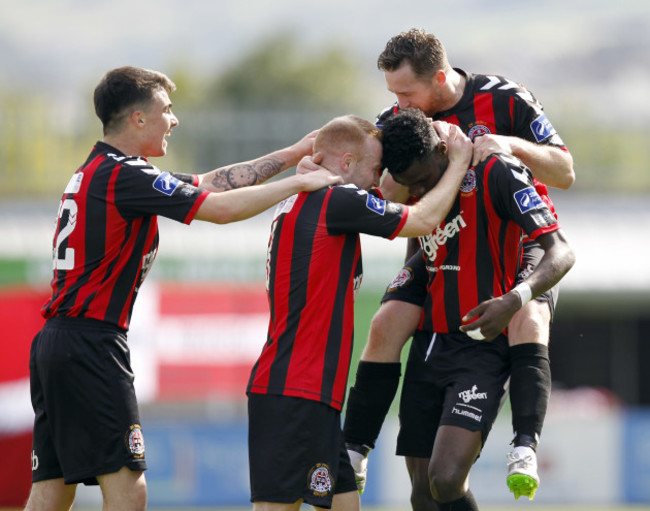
[254,76]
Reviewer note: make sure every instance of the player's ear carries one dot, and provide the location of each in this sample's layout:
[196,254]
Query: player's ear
[439,78]
[346,162]
[138,118]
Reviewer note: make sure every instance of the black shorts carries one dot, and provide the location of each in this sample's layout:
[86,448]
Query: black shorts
[296,451]
[410,284]
[86,414]
[450,379]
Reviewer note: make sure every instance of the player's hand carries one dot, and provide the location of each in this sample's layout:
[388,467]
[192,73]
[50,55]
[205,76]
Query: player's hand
[359,464]
[459,146]
[485,145]
[309,164]
[493,317]
[305,146]
[319,179]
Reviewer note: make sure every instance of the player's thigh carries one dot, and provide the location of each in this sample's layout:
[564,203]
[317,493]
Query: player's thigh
[391,327]
[454,452]
[276,506]
[124,490]
[51,495]
[348,501]
[531,323]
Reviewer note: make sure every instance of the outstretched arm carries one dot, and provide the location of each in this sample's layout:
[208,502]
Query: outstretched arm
[495,314]
[235,205]
[256,171]
[550,164]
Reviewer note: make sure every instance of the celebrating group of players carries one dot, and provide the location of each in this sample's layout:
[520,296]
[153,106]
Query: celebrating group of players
[465,155]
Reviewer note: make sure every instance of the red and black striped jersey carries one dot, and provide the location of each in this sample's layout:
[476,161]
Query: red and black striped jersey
[106,234]
[313,272]
[492,104]
[474,254]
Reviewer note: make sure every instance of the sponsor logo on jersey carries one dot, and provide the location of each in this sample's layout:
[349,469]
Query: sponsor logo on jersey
[469,182]
[74,185]
[375,204]
[135,441]
[478,129]
[34,461]
[472,395]
[431,242]
[543,217]
[166,183]
[320,480]
[542,128]
[528,199]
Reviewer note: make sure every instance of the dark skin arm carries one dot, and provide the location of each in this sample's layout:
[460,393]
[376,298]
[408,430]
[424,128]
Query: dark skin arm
[495,314]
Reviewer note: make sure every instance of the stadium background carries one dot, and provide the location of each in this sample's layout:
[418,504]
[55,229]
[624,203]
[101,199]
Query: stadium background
[201,318]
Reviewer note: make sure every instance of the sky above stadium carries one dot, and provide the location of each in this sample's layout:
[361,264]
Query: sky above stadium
[64,47]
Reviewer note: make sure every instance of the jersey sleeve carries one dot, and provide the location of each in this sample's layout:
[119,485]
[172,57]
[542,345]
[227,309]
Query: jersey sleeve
[144,190]
[530,122]
[353,210]
[511,190]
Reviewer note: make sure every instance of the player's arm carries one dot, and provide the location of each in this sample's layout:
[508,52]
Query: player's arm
[495,314]
[256,171]
[434,205]
[550,164]
[235,205]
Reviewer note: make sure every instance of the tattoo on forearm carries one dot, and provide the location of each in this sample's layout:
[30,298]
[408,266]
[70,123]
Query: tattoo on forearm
[246,174]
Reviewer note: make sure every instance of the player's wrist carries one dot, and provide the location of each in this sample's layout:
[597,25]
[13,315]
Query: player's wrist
[524,291]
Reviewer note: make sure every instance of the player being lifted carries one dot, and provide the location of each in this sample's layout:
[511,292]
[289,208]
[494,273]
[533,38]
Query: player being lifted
[498,115]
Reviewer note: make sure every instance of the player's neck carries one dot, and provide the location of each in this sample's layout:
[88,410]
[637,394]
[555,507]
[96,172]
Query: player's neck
[455,87]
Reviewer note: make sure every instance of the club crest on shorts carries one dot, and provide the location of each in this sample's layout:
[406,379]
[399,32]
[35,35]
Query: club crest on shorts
[320,480]
[135,441]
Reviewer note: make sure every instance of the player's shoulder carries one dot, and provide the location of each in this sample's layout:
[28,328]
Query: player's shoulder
[503,166]
[499,85]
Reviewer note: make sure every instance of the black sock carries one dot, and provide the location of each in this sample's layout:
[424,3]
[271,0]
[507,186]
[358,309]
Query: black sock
[465,503]
[530,389]
[369,401]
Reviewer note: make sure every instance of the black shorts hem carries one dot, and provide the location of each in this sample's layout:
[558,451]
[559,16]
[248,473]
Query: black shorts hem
[89,477]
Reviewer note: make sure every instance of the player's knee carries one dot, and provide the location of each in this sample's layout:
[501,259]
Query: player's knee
[447,485]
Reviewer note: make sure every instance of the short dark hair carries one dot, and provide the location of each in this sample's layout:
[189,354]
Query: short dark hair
[424,52]
[408,137]
[122,89]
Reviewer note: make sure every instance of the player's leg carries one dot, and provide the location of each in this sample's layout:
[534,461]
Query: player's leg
[348,501]
[530,381]
[379,369]
[51,495]
[454,452]
[421,497]
[276,506]
[473,376]
[419,412]
[124,490]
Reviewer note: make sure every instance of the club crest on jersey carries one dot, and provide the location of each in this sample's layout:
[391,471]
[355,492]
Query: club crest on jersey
[166,183]
[477,130]
[135,441]
[542,128]
[528,199]
[320,480]
[404,276]
[469,182]
[375,204]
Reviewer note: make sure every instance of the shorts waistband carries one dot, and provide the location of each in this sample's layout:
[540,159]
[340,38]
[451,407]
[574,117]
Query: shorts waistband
[96,324]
